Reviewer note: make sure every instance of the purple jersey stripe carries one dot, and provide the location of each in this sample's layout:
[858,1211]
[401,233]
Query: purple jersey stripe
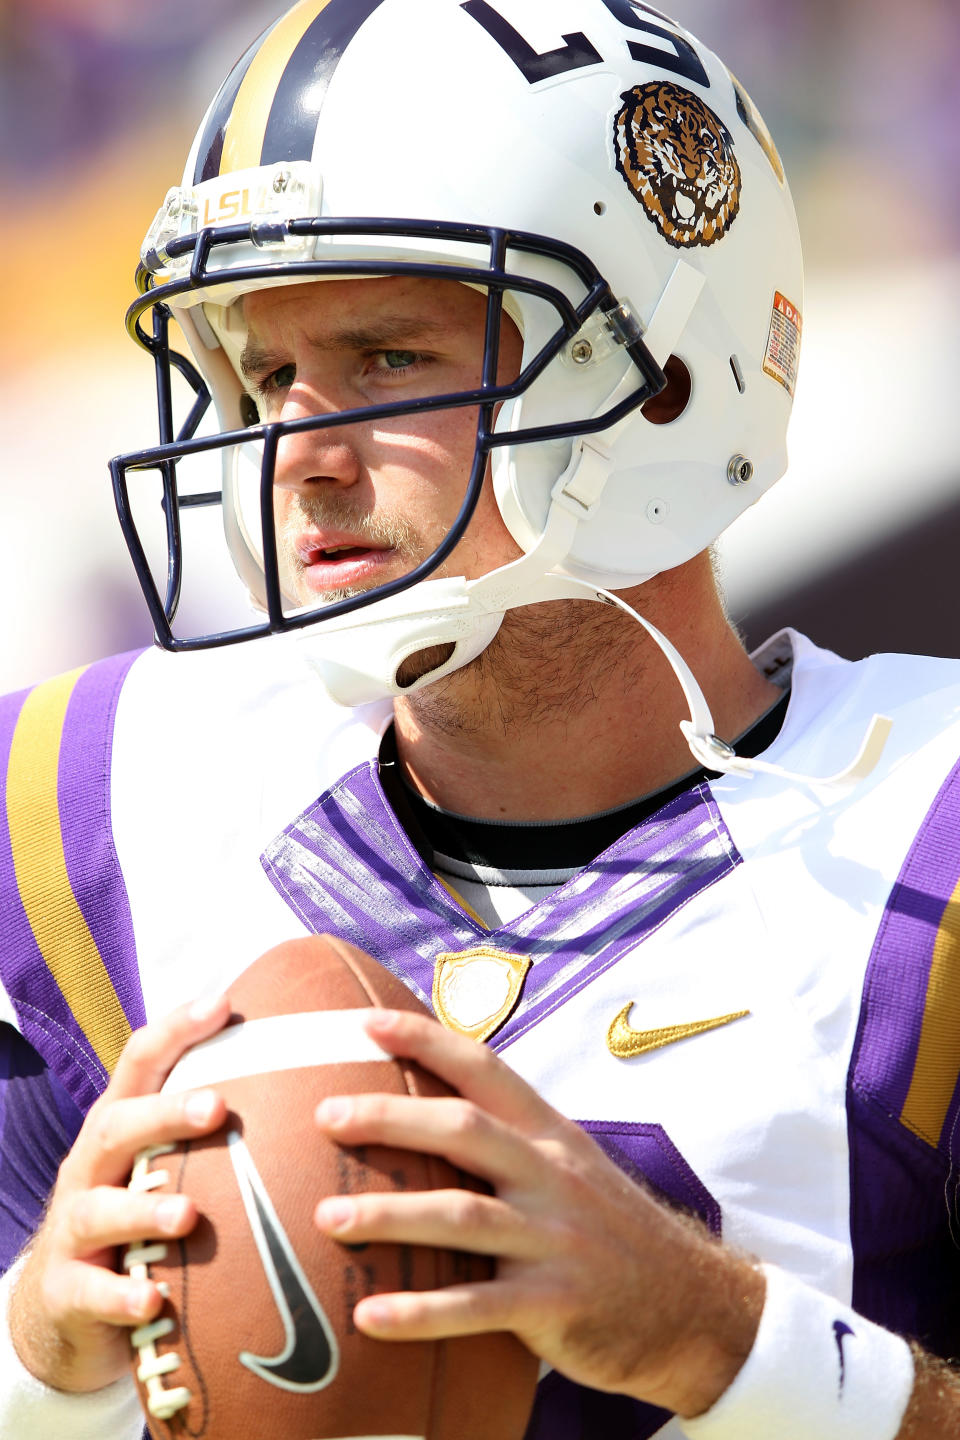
[904,1220]
[648,1155]
[38,1124]
[567,1411]
[908,1036]
[629,891]
[86,750]
[902,1099]
[346,867]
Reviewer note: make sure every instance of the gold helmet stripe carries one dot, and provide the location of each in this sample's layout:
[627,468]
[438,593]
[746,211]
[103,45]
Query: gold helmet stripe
[210,142]
[243,137]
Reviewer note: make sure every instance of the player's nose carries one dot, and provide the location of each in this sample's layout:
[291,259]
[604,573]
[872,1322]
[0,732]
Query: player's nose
[316,455]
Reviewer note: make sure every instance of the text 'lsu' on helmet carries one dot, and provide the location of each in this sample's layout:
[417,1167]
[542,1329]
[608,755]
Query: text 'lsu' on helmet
[601,181]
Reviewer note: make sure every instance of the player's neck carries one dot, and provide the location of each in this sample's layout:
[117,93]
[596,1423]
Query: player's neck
[573,709]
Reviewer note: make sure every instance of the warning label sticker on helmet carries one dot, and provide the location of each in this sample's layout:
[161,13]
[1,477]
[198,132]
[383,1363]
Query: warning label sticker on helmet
[782,357]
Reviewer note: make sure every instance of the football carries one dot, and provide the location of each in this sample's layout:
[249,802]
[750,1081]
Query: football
[256,1338]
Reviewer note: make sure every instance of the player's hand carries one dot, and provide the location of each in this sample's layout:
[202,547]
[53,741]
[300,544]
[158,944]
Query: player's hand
[596,1277]
[70,1310]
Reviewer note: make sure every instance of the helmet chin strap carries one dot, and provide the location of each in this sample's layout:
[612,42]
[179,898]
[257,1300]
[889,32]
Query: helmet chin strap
[715,754]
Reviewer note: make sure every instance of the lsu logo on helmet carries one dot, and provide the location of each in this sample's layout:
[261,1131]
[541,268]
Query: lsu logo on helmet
[677,157]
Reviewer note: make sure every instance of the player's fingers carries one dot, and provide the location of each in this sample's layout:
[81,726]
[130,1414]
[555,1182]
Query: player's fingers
[104,1217]
[455,1219]
[152,1051]
[83,1295]
[462,1132]
[470,1309]
[115,1131]
[473,1070]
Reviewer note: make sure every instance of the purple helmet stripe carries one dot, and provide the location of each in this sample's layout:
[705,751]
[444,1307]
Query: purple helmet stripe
[210,148]
[292,123]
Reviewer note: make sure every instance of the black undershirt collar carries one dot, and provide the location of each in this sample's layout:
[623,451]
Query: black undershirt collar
[540,844]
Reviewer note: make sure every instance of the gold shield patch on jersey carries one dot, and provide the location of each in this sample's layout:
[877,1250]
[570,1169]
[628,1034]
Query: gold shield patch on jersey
[474,991]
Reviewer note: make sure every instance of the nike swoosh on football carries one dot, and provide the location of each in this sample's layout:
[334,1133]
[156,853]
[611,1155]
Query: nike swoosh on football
[310,1357]
[625,1042]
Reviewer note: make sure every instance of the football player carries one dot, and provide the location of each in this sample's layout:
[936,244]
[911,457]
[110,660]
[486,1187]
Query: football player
[499,309]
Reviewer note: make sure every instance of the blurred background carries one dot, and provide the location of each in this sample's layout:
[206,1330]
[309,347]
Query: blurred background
[858,545]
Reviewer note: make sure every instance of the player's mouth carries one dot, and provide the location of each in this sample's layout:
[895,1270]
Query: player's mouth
[334,560]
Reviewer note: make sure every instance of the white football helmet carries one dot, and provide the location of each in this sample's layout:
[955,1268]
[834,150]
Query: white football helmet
[590,167]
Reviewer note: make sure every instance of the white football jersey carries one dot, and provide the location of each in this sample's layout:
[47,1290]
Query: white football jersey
[750,1000]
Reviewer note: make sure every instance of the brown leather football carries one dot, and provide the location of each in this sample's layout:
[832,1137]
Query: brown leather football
[256,1339]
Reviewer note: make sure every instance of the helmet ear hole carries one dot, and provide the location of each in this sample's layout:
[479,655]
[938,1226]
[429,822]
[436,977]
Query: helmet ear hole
[674,398]
[249,413]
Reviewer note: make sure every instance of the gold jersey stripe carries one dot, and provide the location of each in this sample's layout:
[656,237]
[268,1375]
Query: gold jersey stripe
[36,840]
[243,137]
[937,1064]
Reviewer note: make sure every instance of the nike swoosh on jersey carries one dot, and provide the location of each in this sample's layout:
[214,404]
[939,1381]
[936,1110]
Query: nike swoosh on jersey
[625,1042]
[310,1357]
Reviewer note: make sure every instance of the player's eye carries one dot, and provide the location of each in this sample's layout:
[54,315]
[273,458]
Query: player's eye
[280,379]
[399,359]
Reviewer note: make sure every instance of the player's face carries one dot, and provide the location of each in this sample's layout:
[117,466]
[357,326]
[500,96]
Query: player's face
[357,505]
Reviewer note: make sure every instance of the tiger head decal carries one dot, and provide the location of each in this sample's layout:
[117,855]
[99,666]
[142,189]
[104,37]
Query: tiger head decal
[677,157]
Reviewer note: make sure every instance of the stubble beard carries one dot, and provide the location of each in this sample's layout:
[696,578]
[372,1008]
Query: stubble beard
[546,664]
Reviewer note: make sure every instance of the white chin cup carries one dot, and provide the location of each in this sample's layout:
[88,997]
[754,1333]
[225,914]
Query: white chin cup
[358,658]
